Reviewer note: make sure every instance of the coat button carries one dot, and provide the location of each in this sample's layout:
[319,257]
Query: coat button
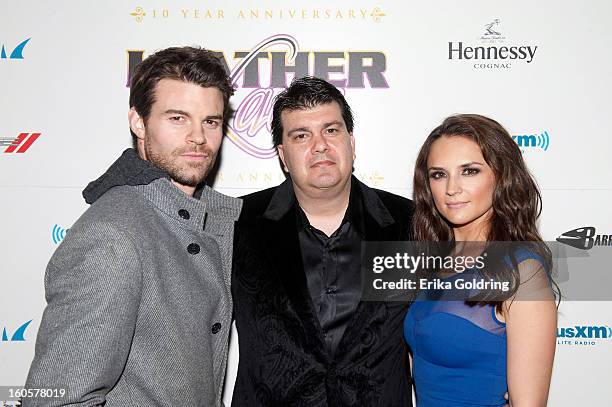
[183,213]
[216,328]
[193,248]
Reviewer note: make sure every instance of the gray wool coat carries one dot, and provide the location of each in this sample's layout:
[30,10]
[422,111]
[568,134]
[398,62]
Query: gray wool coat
[139,307]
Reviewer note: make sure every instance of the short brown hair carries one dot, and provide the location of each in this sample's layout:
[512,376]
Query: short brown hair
[189,64]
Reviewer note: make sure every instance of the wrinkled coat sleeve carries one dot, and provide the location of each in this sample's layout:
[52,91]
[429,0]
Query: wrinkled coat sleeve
[93,288]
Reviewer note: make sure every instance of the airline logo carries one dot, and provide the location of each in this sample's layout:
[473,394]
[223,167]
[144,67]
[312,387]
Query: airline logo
[19,144]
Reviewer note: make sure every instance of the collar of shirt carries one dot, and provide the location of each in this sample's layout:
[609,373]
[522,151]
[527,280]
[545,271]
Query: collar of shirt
[284,200]
[370,204]
[353,215]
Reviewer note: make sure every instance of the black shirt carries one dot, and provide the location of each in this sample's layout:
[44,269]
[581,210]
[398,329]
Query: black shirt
[332,267]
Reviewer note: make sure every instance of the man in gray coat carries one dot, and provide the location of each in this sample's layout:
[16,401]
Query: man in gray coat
[139,306]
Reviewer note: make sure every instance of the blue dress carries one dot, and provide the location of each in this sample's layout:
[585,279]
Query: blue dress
[459,351]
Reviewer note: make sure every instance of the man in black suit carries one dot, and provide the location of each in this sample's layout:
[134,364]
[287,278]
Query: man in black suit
[306,338]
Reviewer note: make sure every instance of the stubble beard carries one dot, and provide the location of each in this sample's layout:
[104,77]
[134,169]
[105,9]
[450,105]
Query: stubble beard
[185,173]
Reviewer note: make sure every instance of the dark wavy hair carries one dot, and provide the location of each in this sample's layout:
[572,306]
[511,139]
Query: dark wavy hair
[188,64]
[306,93]
[517,202]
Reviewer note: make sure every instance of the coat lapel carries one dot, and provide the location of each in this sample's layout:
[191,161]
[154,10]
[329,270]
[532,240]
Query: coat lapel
[282,248]
[379,225]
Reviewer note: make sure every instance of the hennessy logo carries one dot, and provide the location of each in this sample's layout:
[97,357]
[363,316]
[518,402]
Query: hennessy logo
[489,28]
[491,50]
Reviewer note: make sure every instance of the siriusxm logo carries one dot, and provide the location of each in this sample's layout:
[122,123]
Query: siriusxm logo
[585,332]
[18,335]
[58,233]
[537,141]
[584,238]
[17,51]
[583,335]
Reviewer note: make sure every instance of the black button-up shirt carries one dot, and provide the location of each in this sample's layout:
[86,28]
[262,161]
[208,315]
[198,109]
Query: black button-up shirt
[332,267]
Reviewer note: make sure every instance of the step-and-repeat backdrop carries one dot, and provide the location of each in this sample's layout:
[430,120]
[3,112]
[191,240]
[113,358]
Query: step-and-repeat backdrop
[543,69]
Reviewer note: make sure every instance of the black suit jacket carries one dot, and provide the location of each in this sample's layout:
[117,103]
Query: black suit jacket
[283,358]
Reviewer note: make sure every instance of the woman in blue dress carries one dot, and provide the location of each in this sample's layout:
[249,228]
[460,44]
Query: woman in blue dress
[472,185]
